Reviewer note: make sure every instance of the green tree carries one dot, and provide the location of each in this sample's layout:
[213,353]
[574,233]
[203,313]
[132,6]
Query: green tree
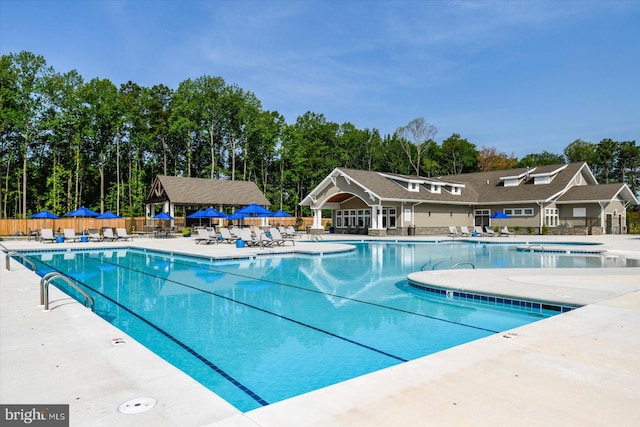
[459,155]
[580,151]
[541,159]
[605,160]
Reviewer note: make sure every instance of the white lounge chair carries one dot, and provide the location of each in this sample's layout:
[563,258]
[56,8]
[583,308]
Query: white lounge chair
[107,234]
[453,231]
[122,234]
[204,236]
[46,235]
[489,231]
[464,231]
[291,232]
[478,230]
[226,236]
[70,234]
[504,231]
[94,235]
[278,238]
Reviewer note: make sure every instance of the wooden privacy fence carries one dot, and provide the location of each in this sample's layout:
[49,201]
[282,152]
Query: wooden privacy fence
[22,227]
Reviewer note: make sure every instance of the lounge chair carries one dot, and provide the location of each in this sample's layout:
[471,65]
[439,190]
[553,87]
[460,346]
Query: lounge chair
[478,230]
[122,234]
[70,234]
[278,238]
[204,236]
[453,231]
[46,235]
[464,231]
[264,240]
[94,235]
[291,232]
[226,236]
[107,234]
[489,231]
[504,231]
[247,236]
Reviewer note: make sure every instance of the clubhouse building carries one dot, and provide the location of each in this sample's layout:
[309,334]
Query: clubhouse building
[554,199]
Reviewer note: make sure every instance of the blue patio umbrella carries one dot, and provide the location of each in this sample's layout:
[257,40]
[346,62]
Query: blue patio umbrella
[44,215]
[281,214]
[499,215]
[196,214]
[108,215]
[254,209]
[82,212]
[163,215]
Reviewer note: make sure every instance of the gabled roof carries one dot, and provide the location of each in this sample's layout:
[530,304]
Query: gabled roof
[203,191]
[597,193]
[481,188]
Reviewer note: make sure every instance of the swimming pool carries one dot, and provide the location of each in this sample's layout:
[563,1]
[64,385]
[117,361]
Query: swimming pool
[266,328]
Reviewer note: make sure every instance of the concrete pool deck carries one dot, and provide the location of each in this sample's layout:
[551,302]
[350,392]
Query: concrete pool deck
[578,368]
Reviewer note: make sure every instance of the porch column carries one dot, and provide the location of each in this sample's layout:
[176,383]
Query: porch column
[317,218]
[379,215]
[374,217]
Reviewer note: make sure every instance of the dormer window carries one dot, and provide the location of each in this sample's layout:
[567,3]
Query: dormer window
[544,179]
[435,188]
[512,182]
[455,190]
[413,186]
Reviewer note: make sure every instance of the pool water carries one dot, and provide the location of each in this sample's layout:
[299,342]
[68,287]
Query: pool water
[263,329]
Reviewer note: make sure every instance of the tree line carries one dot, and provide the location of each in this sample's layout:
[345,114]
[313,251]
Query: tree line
[67,142]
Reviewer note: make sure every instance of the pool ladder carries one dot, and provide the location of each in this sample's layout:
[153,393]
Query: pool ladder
[54,275]
[47,279]
[453,267]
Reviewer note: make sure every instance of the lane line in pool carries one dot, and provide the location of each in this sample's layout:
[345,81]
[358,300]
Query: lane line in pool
[175,340]
[393,356]
[374,304]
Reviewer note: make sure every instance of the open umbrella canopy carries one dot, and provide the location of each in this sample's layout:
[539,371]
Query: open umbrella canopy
[196,214]
[212,213]
[44,215]
[254,209]
[236,215]
[281,214]
[499,215]
[163,215]
[82,211]
[108,215]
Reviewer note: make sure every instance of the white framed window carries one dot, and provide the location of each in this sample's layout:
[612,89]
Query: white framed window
[389,217]
[338,218]
[518,211]
[551,217]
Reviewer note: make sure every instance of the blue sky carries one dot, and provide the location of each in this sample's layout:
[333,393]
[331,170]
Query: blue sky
[520,76]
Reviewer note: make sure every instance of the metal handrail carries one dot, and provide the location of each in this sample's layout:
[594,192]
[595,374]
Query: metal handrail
[24,258]
[50,277]
[462,263]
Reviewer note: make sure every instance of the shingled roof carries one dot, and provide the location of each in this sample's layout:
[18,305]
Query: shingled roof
[205,192]
[566,181]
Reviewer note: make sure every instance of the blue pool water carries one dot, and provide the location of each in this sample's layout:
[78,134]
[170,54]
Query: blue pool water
[263,329]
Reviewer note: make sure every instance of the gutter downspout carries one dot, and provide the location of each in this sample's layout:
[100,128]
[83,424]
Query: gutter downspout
[541,216]
[413,215]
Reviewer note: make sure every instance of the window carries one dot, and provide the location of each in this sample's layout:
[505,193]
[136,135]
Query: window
[338,218]
[551,217]
[413,186]
[455,190]
[518,211]
[435,189]
[389,218]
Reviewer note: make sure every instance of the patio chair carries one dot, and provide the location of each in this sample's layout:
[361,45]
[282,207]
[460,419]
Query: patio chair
[489,231]
[265,241]
[205,236]
[464,231]
[107,234]
[478,230]
[70,234]
[249,240]
[122,234]
[291,232]
[453,231]
[504,231]
[46,235]
[226,236]
[94,235]
[278,238]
